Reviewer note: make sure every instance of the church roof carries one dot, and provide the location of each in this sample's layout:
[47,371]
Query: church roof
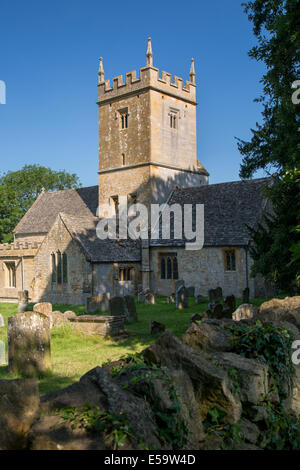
[83,229]
[42,214]
[228,209]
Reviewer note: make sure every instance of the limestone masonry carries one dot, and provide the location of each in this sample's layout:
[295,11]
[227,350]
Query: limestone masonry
[147,153]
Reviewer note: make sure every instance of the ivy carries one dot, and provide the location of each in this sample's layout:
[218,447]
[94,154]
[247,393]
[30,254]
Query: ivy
[269,344]
[117,427]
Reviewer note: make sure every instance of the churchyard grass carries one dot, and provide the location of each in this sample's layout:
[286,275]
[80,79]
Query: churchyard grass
[73,354]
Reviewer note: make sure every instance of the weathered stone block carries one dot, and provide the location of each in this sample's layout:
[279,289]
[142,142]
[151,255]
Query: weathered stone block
[29,343]
[103,325]
[245,311]
[19,405]
[43,307]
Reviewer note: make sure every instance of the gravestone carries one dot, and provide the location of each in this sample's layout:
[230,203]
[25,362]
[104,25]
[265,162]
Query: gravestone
[178,284]
[29,343]
[246,295]
[142,293]
[156,327]
[181,298]
[22,301]
[190,291]
[69,314]
[117,306]
[215,295]
[98,303]
[130,309]
[1,321]
[229,305]
[149,299]
[215,311]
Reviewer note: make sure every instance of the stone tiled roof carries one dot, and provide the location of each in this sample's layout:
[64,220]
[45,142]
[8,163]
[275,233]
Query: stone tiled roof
[228,209]
[83,229]
[42,214]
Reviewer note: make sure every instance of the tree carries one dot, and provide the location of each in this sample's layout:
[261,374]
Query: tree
[19,189]
[275,143]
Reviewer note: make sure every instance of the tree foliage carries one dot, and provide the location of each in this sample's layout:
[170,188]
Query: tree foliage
[274,143]
[19,189]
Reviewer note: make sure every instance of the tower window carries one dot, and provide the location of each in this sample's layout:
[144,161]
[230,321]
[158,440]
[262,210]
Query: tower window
[123,159]
[124,117]
[173,119]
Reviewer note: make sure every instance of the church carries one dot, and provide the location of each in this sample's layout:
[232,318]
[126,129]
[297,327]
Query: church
[148,154]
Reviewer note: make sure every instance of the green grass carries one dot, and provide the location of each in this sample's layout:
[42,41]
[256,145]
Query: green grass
[73,354]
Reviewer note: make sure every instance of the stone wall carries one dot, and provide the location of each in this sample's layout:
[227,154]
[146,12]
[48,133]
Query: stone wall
[204,268]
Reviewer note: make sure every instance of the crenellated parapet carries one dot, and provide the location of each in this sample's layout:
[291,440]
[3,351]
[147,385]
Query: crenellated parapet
[148,78]
[19,249]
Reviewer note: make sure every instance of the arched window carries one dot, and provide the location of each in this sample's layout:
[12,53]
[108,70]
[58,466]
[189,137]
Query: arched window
[163,268]
[169,268]
[175,268]
[59,273]
[65,268]
[53,268]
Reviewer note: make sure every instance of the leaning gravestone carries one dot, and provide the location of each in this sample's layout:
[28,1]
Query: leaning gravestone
[1,321]
[22,301]
[130,309]
[149,299]
[178,284]
[181,298]
[29,343]
[246,295]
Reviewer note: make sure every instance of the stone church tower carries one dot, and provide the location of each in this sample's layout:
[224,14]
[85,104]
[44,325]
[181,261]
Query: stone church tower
[147,135]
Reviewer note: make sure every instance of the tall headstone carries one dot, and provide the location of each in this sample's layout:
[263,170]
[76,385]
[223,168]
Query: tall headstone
[22,301]
[229,305]
[29,350]
[1,321]
[43,307]
[181,298]
[2,353]
[130,309]
[117,306]
[246,295]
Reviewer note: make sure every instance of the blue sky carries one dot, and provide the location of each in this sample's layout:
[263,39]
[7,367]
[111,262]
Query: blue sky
[49,61]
